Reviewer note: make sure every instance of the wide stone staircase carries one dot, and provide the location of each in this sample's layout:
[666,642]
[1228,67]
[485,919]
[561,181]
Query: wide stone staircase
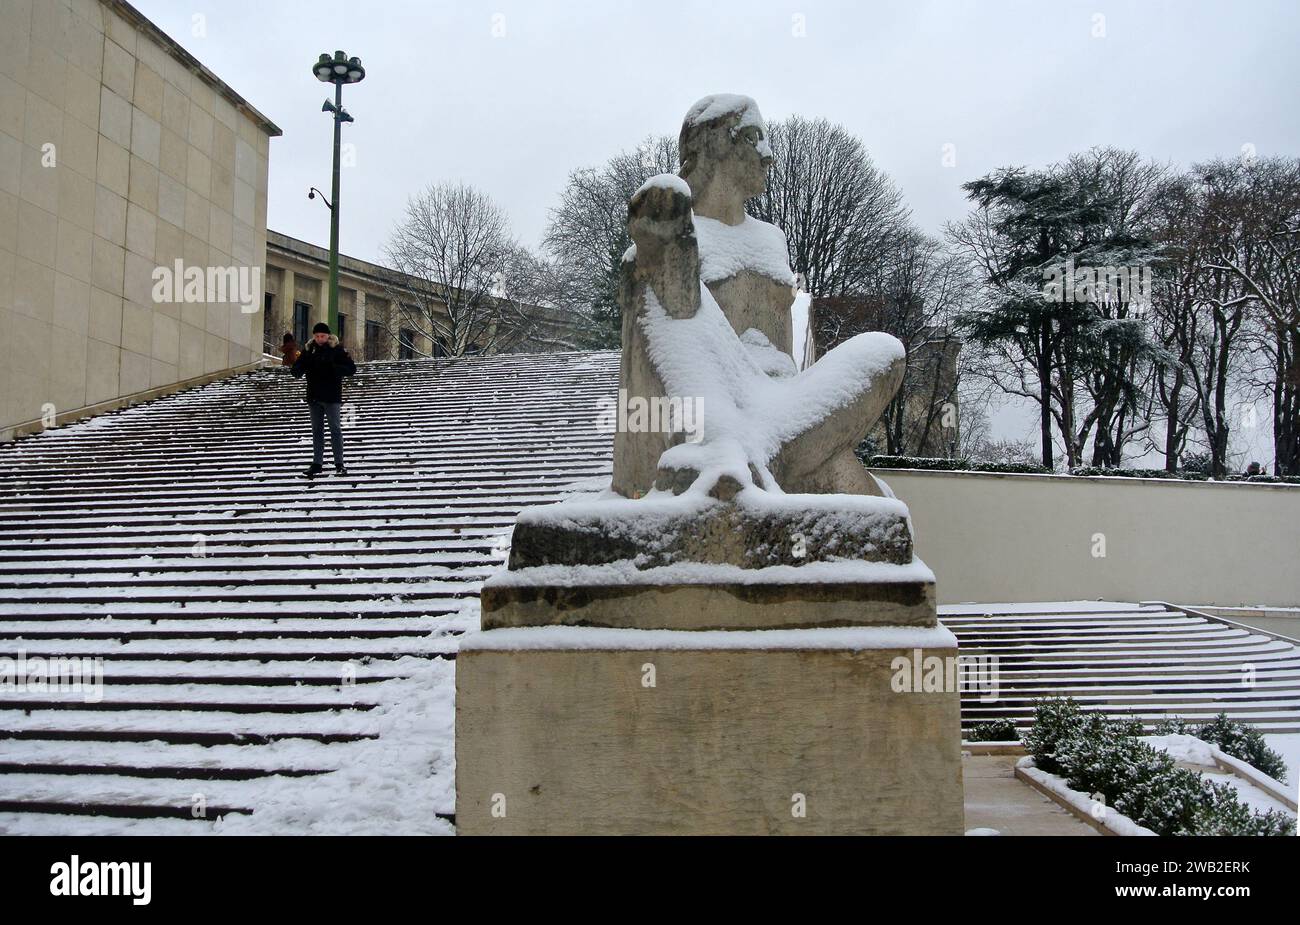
[244,613]
[1147,661]
[249,619]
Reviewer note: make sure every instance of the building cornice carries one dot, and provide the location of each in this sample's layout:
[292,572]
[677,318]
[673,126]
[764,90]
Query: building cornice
[193,64]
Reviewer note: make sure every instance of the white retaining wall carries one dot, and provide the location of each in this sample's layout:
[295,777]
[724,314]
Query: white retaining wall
[995,537]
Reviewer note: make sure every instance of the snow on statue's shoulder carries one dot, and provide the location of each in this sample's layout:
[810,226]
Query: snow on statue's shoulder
[726,250]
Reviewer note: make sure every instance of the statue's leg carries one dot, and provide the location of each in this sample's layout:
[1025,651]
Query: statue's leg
[841,474]
[820,459]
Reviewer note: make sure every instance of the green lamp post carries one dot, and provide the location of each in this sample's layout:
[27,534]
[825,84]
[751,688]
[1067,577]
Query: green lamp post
[338,70]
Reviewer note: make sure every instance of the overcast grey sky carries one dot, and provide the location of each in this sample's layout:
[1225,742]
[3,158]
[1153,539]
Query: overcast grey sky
[570,83]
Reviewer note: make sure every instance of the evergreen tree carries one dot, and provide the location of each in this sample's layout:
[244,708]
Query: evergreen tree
[1063,267]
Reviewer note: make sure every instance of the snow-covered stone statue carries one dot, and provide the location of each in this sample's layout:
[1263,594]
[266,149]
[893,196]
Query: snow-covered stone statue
[706,301]
[718,629]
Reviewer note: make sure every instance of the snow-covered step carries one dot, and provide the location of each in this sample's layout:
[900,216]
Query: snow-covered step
[276,673]
[284,757]
[209,696]
[212,648]
[261,494]
[1284,669]
[333,591]
[209,797]
[417,575]
[261,567]
[197,609]
[85,820]
[180,628]
[435,544]
[164,532]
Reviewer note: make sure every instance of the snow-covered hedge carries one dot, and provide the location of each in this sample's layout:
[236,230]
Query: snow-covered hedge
[962,464]
[1100,756]
[993,730]
[1182,475]
[1234,738]
[959,464]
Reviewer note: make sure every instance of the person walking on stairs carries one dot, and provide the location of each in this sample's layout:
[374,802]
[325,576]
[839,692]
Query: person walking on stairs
[325,364]
[289,347]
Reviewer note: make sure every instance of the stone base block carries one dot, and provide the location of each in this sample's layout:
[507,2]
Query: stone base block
[751,532]
[905,600]
[571,730]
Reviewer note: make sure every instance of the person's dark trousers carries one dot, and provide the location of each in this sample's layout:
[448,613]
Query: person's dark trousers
[319,412]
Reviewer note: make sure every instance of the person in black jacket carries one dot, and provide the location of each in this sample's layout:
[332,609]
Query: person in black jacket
[325,364]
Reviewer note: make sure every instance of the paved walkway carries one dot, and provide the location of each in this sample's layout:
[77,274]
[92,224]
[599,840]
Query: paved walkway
[996,800]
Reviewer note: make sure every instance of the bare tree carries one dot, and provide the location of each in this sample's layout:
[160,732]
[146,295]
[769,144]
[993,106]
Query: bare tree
[1178,318]
[841,215]
[914,296]
[1263,255]
[555,302]
[450,255]
[1230,255]
[587,237]
[977,397]
[1004,452]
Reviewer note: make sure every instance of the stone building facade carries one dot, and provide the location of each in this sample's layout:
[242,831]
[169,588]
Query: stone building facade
[120,156]
[374,327]
[297,296]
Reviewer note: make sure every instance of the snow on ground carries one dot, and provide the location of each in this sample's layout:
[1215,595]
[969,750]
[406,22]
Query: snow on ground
[1252,796]
[393,785]
[1116,821]
[67,826]
[1287,744]
[1191,750]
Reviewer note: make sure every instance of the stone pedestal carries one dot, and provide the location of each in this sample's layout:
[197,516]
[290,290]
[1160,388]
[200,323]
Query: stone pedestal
[814,724]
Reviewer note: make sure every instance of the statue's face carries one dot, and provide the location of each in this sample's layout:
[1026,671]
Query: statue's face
[752,155]
[724,140]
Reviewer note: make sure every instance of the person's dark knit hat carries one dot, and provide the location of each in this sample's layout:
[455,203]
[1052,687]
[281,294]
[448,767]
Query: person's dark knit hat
[288,338]
[321,328]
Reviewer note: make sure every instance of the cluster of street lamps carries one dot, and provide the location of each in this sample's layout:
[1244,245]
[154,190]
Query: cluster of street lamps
[337,69]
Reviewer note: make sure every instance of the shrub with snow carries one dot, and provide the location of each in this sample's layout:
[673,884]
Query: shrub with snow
[1101,757]
[995,730]
[1244,742]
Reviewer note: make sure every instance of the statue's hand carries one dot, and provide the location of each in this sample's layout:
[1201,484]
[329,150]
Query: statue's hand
[660,212]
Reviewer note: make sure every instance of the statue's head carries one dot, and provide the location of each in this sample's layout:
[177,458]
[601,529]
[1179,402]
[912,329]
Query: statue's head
[724,139]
